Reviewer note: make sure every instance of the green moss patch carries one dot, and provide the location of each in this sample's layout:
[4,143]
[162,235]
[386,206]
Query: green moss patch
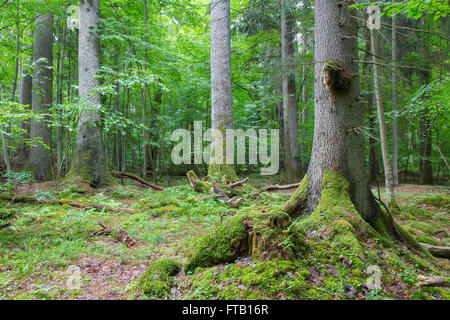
[155,281]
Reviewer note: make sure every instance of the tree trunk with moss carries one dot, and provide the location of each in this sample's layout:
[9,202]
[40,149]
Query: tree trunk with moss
[338,144]
[336,184]
[42,95]
[89,164]
[222,113]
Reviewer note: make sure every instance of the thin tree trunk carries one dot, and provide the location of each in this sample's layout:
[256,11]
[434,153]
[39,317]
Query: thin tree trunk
[292,148]
[5,143]
[304,163]
[373,157]
[394,102]
[42,95]
[144,103]
[388,176]
[59,101]
[25,85]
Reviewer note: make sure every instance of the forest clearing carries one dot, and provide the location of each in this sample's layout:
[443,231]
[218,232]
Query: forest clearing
[224,150]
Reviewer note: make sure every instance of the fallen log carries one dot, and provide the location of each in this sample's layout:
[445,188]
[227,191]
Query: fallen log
[76,204]
[433,282]
[284,187]
[437,251]
[121,235]
[135,179]
[234,203]
[239,183]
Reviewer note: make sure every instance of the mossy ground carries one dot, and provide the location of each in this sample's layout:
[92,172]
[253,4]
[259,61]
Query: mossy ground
[327,255]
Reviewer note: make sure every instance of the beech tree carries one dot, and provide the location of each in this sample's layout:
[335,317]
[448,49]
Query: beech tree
[42,95]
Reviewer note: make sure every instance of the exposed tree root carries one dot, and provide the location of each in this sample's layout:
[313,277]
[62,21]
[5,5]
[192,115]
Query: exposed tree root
[433,282]
[437,251]
[121,235]
[135,179]
[76,204]
[284,187]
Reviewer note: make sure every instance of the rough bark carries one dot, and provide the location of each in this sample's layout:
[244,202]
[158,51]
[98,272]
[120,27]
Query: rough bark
[90,163]
[42,94]
[292,147]
[337,144]
[388,176]
[221,114]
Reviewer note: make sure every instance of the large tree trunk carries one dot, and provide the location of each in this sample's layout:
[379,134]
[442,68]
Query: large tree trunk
[292,148]
[42,95]
[222,113]
[336,185]
[337,144]
[89,163]
[388,176]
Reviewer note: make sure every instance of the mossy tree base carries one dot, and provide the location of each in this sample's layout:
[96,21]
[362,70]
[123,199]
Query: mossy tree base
[224,173]
[252,232]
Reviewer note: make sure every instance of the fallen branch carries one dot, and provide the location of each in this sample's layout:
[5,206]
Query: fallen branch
[437,251]
[433,282]
[197,184]
[234,203]
[278,187]
[239,183]
[121,235]
[6,225]
[76,204]
[135,179]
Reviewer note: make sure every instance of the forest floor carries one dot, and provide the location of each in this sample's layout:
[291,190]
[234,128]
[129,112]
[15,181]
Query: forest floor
[45,242]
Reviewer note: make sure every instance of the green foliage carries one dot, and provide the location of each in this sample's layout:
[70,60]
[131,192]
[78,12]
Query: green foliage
[14,178]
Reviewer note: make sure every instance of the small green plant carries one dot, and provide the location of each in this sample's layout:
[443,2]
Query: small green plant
[14,178]
[43,195]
